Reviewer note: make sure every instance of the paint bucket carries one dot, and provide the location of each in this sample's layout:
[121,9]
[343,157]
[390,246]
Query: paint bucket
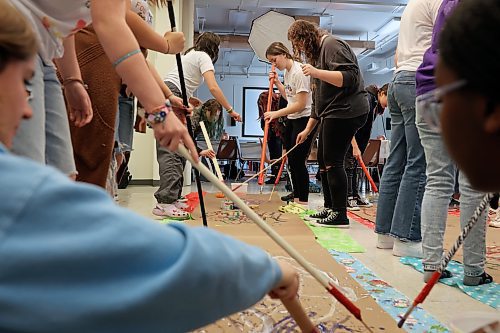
[227,205]
[241,189]
[476,322]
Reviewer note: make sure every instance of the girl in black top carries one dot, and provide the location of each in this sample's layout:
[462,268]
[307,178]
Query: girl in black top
[339,104]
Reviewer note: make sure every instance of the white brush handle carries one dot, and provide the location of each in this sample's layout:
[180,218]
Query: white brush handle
[209,145]
[321,278]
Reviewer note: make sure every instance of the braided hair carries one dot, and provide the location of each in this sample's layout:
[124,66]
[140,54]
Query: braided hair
[467,45]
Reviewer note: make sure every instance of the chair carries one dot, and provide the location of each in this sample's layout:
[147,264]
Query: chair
[229,151]
[251,152]
[371,157]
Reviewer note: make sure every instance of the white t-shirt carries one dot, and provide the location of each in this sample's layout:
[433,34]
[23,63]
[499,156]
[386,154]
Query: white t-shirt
[415,33]
[141,8]
[194,64]
[53,20]
[296,82]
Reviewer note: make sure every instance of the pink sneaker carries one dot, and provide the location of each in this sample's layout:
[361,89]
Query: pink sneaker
[170,211]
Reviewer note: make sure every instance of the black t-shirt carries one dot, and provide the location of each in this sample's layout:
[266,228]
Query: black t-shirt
[329,101]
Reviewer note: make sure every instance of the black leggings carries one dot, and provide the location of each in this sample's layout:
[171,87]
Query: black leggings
[297,159]
[351,163]
[334,139]
[275,150]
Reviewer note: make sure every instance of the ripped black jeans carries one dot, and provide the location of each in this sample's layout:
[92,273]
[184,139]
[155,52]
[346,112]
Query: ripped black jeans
[334,139]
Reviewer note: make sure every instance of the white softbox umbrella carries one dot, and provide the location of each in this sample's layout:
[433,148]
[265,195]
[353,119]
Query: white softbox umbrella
[268,28]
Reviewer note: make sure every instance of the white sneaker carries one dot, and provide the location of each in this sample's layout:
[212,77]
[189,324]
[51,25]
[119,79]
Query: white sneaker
[385,241]
[407,249]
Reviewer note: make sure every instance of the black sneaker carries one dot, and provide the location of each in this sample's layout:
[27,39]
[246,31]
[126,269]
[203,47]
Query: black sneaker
[484,278]
[288,197]
[363,202]
[335,220]
[352,204]
[319,215]
[271,181]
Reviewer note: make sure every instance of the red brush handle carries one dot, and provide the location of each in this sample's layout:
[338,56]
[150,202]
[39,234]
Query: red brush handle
[365,170]
[356,312]
[278,177]
[427,288]
[266,129]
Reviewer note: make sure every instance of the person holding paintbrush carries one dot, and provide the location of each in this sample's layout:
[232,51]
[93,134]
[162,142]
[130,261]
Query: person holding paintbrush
[466,108]
[72,260]
[296,89]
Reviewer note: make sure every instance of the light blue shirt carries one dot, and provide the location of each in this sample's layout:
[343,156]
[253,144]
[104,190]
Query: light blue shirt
[73,261]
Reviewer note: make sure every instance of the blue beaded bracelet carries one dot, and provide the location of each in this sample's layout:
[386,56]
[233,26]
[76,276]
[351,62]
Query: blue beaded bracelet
[125,57]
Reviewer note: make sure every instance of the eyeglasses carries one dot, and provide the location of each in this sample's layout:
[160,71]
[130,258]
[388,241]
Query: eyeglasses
[431,104]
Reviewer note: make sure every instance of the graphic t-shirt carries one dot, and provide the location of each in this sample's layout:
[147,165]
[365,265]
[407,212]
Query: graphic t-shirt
[54,20]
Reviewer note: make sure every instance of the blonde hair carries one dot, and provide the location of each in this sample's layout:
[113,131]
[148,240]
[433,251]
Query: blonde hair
[17,39]
[278,48]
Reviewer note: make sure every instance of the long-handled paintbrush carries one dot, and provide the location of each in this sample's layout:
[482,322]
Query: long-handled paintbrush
[267,168]
[278,177]
[266,130]
[446,259]
[321,278]
[171,16]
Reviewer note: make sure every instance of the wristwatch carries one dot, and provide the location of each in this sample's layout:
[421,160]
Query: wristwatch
[158,115]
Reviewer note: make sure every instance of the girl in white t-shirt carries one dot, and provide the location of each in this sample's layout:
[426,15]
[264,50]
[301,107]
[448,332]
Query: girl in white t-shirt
[297,91]
[55,21]
[198,65]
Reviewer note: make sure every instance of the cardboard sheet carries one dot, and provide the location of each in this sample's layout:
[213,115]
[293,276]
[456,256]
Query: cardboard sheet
[269,315]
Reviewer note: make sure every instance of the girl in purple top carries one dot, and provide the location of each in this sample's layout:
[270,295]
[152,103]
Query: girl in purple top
[441,171]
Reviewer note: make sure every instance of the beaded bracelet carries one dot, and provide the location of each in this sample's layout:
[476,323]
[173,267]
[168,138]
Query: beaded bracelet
[125,57]
[158,114]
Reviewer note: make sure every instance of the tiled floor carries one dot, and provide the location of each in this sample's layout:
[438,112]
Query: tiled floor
[445,303]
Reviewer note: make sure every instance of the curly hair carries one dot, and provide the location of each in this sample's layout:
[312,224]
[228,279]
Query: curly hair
[17,39]
[473,26]
[306,38]
[207,42]
[278,48]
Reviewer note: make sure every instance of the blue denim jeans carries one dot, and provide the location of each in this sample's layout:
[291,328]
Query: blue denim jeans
[440,186]
[45,137]
[124,127]
[403,180]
